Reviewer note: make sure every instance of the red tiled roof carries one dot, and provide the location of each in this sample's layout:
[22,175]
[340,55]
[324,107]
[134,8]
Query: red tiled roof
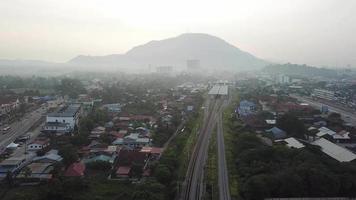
[40,141]
[156,150]
[153,150]
[117,134]
[75,169]
[123,170]
[126,157]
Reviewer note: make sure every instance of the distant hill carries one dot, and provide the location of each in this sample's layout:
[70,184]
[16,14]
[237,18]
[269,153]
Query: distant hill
[213,53]
[30,67]
[299,70]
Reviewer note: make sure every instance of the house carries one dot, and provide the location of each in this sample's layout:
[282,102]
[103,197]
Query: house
[38,144]
[8,105]
[63,120]
[342,137]
[325,131]
[293,143]
[255,122]
[276,133]
[118,134]
[100,158]
[97,132]
[246,108]
[133,140]
[50,157]
[95,147]
[113,108]
[38,170]
[127,156]
[11,164]
[75,170]
[337,152]
[154,152]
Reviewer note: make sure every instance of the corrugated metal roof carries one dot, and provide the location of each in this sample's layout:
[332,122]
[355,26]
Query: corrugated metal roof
[219,90]
[338,153]
[294,143]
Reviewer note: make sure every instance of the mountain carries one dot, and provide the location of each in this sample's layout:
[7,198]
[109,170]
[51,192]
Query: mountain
[213,53]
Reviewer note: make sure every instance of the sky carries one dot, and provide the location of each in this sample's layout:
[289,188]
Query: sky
[314,32]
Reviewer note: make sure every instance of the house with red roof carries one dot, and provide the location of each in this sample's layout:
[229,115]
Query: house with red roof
[75,170]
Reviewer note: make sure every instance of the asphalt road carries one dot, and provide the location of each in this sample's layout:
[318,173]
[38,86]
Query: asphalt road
[20,127]
[21,150]
[223,177]
[347,116]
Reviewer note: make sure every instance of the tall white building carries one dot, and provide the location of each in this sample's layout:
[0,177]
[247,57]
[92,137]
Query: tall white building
[63,120]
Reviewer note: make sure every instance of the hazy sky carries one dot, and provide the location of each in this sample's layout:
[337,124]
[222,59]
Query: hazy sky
[317,32]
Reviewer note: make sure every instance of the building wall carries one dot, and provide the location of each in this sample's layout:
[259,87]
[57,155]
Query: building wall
[72,121]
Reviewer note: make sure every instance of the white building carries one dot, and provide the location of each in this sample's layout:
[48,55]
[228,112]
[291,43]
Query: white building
[64,120]
[324,94]
[38,145]
[283,79]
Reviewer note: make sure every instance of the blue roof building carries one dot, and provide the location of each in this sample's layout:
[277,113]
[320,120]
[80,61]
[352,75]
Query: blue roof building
[246,108]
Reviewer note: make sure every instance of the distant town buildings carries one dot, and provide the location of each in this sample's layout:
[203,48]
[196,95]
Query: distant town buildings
[165,70]
[283,79]
[324,94]
[113,108]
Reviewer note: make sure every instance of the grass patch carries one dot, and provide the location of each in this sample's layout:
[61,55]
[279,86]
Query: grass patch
[211,170]
[229,139]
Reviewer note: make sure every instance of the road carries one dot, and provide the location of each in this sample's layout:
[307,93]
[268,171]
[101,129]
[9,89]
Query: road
[21,150]
[223,177]
[348,116]
[20,127]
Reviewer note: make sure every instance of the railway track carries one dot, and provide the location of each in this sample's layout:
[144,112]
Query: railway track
[193,184]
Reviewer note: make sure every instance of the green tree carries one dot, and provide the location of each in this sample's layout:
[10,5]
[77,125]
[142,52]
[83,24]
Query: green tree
[163,174]
[69,154]
[292,125]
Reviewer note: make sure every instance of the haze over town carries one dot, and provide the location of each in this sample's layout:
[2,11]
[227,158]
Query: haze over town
[177,100]
[317,32]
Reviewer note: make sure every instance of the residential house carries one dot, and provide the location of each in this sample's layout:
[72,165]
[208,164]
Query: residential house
[12,164]
[97,132]
[133,140]
[113,108]
[38,170]
[246,108]
[50,157]
[38,144]
[276,133]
